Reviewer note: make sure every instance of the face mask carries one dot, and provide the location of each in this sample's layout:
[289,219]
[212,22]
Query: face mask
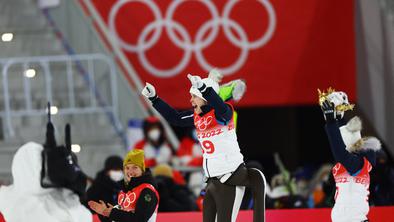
[116,175]
[154,134]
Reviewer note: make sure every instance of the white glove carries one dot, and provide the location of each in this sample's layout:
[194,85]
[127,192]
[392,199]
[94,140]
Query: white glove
[215,75]
[148,91]
[338,98]
[195,81]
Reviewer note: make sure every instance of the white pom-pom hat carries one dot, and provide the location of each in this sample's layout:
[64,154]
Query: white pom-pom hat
[209,83]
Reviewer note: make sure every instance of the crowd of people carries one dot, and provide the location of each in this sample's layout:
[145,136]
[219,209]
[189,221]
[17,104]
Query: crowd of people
[305,187]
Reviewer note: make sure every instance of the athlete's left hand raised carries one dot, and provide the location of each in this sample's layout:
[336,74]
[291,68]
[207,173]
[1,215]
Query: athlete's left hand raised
[195,81]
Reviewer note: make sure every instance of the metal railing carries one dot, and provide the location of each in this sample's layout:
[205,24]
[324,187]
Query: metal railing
[99,26]
[69,75]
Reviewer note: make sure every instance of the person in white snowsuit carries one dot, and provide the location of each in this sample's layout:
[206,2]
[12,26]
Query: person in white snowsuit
[27,200]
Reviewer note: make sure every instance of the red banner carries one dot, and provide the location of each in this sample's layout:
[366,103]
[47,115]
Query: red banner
[381,214]
[284,50]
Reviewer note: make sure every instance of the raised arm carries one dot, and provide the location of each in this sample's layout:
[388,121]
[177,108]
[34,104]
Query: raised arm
[353,163]
[223,111]
[174,117]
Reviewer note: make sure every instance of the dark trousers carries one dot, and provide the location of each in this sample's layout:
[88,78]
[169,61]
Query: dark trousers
[223,200]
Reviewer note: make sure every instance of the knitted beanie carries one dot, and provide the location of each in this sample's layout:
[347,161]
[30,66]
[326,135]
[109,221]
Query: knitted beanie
[136,157]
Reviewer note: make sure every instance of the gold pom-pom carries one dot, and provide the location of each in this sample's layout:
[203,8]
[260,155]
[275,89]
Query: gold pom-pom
[323,96]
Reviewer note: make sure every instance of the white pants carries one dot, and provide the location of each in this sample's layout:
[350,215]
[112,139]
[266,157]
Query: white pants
[349,214]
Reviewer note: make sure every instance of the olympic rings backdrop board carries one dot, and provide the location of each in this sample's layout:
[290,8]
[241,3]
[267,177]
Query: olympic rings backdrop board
[284,49]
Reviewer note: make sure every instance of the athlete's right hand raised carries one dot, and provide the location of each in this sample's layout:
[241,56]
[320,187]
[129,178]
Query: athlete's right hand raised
[329,112]
[149,91]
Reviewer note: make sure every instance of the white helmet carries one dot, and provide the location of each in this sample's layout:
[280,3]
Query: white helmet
[209,83]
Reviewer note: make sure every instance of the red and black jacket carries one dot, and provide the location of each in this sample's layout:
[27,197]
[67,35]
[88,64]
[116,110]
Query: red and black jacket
[145,204]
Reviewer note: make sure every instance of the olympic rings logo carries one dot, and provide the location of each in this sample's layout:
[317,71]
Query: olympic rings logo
[186,43]
[126,199]
[203,123]
[335,169]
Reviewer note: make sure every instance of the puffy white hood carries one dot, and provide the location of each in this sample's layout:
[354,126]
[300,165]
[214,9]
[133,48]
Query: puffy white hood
[351,136]
[26,168]
[351,132]
[26,200]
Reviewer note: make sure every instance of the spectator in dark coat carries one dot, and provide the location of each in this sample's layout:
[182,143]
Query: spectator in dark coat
[106,185]
[173,197]
[382,185]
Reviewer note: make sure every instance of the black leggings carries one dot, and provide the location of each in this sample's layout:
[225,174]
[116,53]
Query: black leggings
[223,200]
